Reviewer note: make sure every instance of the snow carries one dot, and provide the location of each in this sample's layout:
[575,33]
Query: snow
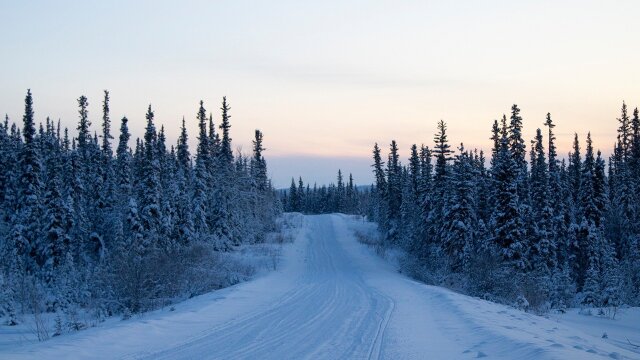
[335,298]
[623,330]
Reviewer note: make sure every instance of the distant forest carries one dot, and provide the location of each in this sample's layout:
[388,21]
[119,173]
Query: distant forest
[342,197]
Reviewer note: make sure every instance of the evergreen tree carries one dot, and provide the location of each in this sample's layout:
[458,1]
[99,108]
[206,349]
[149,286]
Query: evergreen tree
[380,207]
[201,175]
[150,200]
[507,221]
[393,193]
[294,200]
[459,239]
[543,256]
[84,137]
[258,163]
[27,232]
[106,127]
[516,141]
[574,171]
[625,132]
[425,198]
[123,155]
[225,147]
[442,152]
[340,193]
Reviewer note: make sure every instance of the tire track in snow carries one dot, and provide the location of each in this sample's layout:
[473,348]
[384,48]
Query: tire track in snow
[331,313]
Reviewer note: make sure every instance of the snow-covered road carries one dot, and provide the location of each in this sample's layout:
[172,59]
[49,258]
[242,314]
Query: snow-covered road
[330,312]
[332,299]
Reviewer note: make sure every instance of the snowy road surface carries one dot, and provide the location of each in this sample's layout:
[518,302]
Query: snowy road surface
[332,299]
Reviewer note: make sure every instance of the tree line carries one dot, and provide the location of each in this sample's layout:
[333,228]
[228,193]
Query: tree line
[340,197]
[84,228]
[530,229]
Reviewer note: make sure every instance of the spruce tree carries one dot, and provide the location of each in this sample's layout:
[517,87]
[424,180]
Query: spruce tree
[27,229]
[294,200]
[543,255]
[351,197]
[380,195]
[201,175]
[226,153]
[625,132]
[150,214]
[393,193]
[460,219]
[258,163]
[425,196]
[442,152]
[106,127]
[516,141]
[507,221]
[84,137]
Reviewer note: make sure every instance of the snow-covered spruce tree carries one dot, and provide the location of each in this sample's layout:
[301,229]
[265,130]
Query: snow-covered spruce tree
[414,169]
[542,254]
[302,196]
[225,145]
[351,194]
[58,216]
[573,183]
[380,195]
[214,139]
[184,228]
[27,228]
[574,176]
[263,208]
[111,220]
[258,163]
[410,208]
[150,212]
[294,200]
[561,285]
[516,141]
[590,235]
[123,185]
[393,194]
[408,212]
[482,184]
[84,135]
[223,216]
[425,199]
[518,153]
[340,193]
[167,176]
[611,284]
[507,223]
[460,218]
[202,176]
[442,153]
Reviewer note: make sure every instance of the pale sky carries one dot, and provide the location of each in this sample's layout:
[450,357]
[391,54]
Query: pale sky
[324,80]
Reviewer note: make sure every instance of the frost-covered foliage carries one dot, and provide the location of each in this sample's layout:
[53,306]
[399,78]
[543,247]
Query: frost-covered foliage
[536,234]
[82,228]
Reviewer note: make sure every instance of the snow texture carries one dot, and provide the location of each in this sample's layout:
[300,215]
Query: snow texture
[334,298]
